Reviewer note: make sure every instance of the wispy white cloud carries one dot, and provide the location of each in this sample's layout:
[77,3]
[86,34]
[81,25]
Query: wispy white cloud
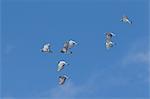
[68,91]
[138,52]
[137,57]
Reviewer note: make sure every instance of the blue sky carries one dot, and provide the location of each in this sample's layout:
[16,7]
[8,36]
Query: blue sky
[95,73]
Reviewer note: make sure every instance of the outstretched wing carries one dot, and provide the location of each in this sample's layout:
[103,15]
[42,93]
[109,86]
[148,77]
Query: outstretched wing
[66,44]
[128,21]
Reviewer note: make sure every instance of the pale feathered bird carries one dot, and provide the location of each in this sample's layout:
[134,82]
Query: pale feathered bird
[125,19]
[46,48]
[62,79]
[61,65]
[68,45]
[109,43]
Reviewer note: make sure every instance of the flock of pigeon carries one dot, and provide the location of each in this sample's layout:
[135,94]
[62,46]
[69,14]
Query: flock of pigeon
[109,43]
[71,43]
[66,49]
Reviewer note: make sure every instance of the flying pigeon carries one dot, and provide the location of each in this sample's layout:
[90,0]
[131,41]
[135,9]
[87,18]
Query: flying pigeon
[46,48]
[125,19]
[68,45]
[61,65]
[62,79]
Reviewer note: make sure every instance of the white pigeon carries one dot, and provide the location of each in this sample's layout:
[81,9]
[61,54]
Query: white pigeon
[71,43]
[68,45]
[46,48]
[61,65]
[125,19]
[62,79]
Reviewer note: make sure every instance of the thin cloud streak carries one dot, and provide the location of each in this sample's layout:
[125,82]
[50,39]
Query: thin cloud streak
[138,52]
[138,57]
